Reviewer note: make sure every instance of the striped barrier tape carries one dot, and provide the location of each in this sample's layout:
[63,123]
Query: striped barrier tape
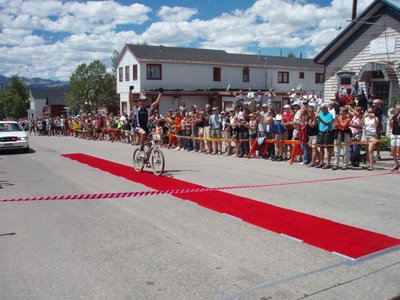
[183,191]
[270,141]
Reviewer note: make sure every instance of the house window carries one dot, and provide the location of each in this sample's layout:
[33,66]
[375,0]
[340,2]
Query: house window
[134,72]
[377,75]
[283,77]
[127,73]
[246,74]
[301,75]
[345,81]
[153,72]
[121,74]
[217,74]
[319,77]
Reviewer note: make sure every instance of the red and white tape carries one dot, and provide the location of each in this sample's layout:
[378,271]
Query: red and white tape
[181,191]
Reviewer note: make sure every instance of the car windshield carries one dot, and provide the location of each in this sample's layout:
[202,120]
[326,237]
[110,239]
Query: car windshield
[10,127]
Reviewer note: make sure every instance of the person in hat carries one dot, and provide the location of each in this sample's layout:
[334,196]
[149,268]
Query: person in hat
[142,113]
[279,133]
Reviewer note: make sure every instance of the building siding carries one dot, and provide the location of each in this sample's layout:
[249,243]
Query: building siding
[199,76]
[357,54]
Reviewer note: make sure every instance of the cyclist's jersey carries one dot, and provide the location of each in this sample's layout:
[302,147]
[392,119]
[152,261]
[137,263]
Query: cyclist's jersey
[142,117]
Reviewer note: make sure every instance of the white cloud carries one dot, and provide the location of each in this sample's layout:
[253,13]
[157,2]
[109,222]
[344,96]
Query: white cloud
[176,14]
[51,38]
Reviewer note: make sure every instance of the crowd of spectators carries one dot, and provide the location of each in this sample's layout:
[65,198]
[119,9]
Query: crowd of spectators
[324,129]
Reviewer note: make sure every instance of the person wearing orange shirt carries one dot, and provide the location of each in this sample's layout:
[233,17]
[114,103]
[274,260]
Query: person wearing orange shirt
[342,124]
[178,130]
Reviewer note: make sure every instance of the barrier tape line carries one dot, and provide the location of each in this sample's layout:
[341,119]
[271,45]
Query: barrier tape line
[270,141]
[183,191]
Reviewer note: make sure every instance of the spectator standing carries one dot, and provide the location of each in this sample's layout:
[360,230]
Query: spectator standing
[253,124]
[358,94]
[216,126]
[287,120]
[270,94]
[325,136]
[186,129]
[200,126]
[178,131]
[312,132]
[370,123]
[250,99]
[244,133]
[356,127]
[347,98]
[239,99]
[207,128]
[234,124]
[342,124]
[195,127]
[259,99]
[395,138]
[378,111]
[303,137]
[226,132]
[293,96]
[279,133]
[262,127]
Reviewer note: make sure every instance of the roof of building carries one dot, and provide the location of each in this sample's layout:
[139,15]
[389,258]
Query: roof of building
[364,19]
[217,57]
[52,96]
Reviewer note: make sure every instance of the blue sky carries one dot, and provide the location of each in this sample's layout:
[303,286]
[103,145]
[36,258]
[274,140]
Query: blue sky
[49,39]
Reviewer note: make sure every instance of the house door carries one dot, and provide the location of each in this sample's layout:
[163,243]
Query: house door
[381,90]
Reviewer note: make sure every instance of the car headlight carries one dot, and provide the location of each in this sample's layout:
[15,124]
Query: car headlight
[22,138]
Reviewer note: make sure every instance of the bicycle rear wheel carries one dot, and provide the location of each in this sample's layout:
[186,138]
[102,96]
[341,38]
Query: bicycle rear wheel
[138,160]
[157,162]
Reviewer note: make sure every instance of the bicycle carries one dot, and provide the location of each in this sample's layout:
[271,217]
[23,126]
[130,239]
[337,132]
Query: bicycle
[152,156]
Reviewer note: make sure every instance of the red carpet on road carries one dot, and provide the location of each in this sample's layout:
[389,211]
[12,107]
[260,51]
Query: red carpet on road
[322,233]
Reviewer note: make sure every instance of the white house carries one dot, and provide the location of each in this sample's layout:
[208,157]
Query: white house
[199,76]
[368,50]
[45,101]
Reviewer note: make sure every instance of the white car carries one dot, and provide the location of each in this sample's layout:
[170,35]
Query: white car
[13,136]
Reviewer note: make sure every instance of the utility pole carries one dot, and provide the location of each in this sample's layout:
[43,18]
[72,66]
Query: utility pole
[354,11]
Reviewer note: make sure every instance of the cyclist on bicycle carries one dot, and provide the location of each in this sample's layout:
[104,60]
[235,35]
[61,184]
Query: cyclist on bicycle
[142,115]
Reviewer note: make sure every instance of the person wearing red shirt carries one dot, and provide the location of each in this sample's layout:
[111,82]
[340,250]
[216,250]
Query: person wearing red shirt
[347,98]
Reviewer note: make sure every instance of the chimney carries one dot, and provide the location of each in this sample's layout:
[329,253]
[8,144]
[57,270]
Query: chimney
[354,11]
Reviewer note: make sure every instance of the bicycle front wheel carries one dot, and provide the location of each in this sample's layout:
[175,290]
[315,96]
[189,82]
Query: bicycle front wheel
[157,162]
[138,160]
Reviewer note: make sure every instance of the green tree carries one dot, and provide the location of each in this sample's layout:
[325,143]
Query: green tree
[90,88]
[291,54]
[114,62]
[15,98]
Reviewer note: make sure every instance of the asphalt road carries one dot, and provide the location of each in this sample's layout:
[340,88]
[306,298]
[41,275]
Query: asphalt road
[160,247]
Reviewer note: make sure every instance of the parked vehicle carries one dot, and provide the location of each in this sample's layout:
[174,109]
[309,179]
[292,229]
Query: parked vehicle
[13,136]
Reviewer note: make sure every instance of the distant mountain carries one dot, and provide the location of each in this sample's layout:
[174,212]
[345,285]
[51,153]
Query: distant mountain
[34,83]
[4,81]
